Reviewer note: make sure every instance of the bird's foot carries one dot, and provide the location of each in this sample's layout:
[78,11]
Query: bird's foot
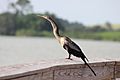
[69,58]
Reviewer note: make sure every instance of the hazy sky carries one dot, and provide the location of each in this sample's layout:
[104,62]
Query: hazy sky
[85,11]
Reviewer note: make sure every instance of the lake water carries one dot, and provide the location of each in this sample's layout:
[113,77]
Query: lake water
[18,50]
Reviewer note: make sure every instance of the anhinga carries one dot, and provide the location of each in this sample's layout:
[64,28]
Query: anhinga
[71,47]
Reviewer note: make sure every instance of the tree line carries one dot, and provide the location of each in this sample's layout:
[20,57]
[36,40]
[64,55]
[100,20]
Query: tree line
[20,20]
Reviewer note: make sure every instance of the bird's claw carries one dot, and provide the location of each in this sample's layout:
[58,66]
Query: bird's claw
[69,58]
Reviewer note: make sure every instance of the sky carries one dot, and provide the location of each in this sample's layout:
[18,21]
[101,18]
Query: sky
[84,11]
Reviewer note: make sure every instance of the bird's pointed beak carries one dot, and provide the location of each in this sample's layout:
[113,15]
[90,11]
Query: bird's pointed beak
[40,16]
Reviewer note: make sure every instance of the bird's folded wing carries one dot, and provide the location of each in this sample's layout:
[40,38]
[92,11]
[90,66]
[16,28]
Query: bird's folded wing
[74,46]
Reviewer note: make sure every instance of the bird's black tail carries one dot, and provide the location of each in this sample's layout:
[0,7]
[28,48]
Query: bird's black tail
[89,67]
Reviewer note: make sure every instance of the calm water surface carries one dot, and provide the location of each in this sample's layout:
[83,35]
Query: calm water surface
[18,50]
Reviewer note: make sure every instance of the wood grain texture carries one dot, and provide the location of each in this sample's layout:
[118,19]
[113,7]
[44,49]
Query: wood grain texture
[104,70]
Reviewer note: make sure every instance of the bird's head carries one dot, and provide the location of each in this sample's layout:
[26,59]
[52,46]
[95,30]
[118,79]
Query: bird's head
[45,17]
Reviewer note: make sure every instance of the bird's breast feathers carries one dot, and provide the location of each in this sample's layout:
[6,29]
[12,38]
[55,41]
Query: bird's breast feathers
[62,41]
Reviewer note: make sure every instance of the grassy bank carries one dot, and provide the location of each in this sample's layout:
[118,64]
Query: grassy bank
[112,36]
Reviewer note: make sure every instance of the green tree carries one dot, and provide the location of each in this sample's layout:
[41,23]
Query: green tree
[109,26]
[24,6]
[21,7]
[7,26]
[98,28]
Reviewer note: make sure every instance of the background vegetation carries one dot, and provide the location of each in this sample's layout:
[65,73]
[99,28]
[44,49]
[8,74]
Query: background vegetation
[20,20]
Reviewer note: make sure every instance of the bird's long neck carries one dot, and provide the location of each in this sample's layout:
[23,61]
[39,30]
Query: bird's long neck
[55,29]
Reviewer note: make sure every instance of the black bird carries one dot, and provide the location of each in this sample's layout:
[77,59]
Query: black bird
[71,47]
